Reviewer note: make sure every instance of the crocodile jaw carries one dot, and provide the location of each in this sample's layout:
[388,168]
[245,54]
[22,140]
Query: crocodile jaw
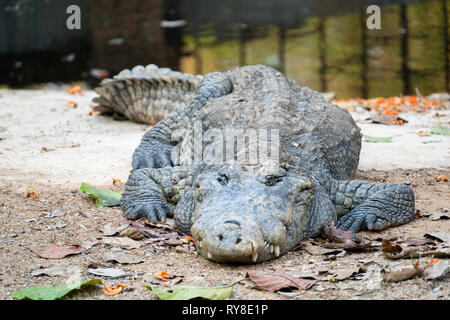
[233,239]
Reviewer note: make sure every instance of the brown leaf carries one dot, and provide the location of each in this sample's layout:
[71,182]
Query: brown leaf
[334,234]
[390,247]
[51,271]
[154,232]
[439,236]
[403,273]
[123,242]
[95,265]
[395,251]
[132,233]
[110,230]
[275,281]
[318,250]
[345,274]
[387,119]
[174,242]
[58,252]
[344,239]
[438,216]
[437,270]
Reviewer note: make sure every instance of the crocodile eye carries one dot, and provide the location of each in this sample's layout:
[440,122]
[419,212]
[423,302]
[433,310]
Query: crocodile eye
[223,179]
[272,180]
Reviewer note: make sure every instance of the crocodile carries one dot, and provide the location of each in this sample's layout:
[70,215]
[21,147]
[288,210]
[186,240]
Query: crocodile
[251,164]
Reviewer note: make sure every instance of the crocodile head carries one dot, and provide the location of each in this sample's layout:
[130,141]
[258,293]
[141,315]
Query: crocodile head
[247,217]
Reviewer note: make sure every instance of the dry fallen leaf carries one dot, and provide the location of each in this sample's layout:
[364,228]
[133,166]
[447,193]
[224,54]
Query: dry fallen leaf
[71,104]
[52,271]
[388,119]
[423,133]
[113,273]
[439,236]
[163,275]
[74,90]
[46,149]
[344,239]
[58,252]
[31,192]
[396,251]
[132,233]
[55,213]
[122,242]
[93,112]
[443,214]
[111,230]
[344,274]
[403,273]
[440,178]
[275,281]
[117,288]
[390,247]
[187,240]
[437,270]
[116,181]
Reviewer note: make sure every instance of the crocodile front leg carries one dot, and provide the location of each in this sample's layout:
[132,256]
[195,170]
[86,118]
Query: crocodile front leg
[363,205]
[149,190]
[155,149]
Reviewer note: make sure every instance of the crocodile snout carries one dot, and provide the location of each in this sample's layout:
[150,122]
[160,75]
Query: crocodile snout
[233,239]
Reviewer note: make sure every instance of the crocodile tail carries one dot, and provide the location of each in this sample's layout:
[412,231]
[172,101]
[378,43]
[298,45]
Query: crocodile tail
[145,94]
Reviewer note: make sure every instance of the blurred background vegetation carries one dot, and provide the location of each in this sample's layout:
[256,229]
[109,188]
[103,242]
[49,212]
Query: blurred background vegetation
[323,44]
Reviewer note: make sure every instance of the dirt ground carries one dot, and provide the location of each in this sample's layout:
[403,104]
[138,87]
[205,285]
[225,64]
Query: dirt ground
[93,149]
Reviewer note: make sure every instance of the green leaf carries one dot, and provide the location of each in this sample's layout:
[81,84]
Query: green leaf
[441,131]
[103,198]
[52,292]
[377,139]
[191,292]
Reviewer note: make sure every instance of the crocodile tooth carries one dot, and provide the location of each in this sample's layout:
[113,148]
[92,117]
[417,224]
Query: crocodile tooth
[199,243]
[277,251]
[271,248]
[254,256]
[209,255]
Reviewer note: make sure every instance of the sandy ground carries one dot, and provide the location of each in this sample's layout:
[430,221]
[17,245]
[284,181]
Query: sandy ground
[95,149]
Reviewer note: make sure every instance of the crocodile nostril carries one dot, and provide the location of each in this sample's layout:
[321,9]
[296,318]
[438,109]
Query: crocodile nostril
[220,237]
[238,240]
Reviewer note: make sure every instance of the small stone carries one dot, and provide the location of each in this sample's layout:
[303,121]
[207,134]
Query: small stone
[181,249]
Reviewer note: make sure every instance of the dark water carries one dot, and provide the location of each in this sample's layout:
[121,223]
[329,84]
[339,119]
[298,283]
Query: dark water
[323,44]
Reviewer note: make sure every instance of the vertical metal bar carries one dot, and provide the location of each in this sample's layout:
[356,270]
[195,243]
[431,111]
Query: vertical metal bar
[242,51]
[405,49]
[322,54]
[281,48]
[364,66]
[446,44]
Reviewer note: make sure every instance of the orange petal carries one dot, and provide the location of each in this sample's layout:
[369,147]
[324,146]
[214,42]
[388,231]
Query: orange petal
[110,291]
[412,99]
[71,104]
[162,275]
[187,239]
[31,192]
[74,89]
